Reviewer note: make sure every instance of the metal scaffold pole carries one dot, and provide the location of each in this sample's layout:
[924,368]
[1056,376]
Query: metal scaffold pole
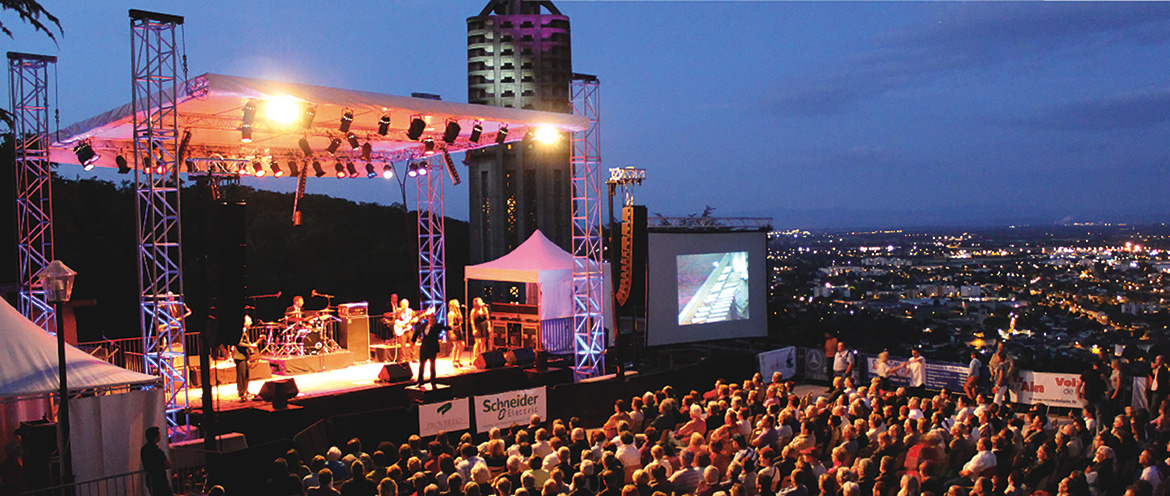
[588,292]
[432,259]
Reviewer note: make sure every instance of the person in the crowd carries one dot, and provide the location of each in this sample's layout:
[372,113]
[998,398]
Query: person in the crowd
[156,464]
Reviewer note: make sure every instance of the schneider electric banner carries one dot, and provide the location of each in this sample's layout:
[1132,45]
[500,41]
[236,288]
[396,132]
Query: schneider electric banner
[449,416]
[512,408]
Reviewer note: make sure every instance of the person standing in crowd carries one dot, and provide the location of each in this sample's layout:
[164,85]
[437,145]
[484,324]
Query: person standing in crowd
[1116,387]
[916,371]
[1157,384]
[155,464]
[481,328]
[1002,366]
[1092,390]
[842,361]
[971,387]
[455,323]
[883,370]
[830,350]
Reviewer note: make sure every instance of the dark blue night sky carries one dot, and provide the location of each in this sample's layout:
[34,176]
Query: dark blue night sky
[819,114]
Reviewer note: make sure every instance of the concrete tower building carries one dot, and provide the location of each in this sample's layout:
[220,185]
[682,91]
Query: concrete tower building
[518,55]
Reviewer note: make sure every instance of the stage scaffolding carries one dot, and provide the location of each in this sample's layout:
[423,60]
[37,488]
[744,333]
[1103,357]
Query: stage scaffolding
[588,298]
[432,259]
[28,87]
[154,59]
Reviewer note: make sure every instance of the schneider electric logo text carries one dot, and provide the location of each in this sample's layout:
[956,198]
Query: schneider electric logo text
[524,404]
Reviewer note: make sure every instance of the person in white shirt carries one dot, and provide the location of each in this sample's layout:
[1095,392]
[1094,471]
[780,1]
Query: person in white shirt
[916,371]
[842,361]
[983,460]
[1150,470]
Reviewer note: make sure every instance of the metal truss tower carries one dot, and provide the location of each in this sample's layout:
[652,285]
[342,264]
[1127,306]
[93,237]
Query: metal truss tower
[154,62]
[588,297]
[28,86]
[432,257]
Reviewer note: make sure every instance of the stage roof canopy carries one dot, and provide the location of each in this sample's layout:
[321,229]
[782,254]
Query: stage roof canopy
[212,107]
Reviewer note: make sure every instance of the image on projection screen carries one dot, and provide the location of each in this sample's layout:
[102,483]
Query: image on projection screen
[712,287]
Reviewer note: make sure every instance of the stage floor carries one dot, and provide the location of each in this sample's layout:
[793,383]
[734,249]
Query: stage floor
[353,378]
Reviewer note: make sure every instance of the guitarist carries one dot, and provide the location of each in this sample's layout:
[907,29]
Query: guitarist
[244,353]
[404,323]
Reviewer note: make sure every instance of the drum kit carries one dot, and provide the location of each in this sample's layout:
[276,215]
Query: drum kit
[300,335]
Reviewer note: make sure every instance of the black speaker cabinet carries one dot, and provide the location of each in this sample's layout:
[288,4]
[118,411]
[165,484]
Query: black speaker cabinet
[520,356]
[490,360]
[279,392]
[395,372]
[354,335]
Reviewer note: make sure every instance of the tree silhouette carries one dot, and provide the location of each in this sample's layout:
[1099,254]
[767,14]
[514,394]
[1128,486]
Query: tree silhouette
[32,13]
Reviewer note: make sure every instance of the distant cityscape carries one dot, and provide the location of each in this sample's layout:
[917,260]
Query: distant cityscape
[1054,295]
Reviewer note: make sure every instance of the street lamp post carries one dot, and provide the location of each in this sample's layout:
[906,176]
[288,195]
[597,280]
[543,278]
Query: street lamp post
[57,281]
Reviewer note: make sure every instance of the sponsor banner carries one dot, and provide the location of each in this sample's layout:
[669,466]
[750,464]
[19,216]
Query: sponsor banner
[782,360]
[449,416]
[814,364]
[512,408]
[939,375]
[1048,388]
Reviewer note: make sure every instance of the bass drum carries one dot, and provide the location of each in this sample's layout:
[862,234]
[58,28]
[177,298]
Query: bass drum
[312,342]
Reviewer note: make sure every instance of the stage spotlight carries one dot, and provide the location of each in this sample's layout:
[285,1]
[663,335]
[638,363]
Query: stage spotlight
[294,169]
[388,171]
[276,170]
[384,125]
[429,146]
[452,131]
[476,130]
[307,117]
[501,135]
[346,120]
[123,166]
[249,112]
[308,150]
[246,133]
[258,169]
[370,172]
[85,155]
[284,110]
[412,171]
[417,126]
[547,135]
[423,167]
[366,151]
[349,167]
[451,168]
[353,141]
[243,170]
[333,144]
[340,170]
[317,170]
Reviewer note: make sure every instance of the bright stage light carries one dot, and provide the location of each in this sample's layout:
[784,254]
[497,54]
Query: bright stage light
[366,151]
[370,172]
[285,110]
[547,135]
[388,171]
[307,117]
[123,166]
[353,141]
[452,131]
[384,125]
[423,167]
[258,169]
[333,144]
[340,170]
[276,170]
[349,167]
[412,170]
[250,112]
[501,135]
[417,126]
[429,146]
[346,120]
[476,130]
[85,155]
[317,170]
[246,133]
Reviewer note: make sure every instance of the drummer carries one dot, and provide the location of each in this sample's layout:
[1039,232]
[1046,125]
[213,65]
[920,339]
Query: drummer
[296,313]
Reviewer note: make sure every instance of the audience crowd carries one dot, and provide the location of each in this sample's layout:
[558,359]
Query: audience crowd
[759,438]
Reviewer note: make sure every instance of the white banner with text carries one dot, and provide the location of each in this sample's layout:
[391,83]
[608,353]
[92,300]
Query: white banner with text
[781,360]
[512,408]
[1048,388]
[448,416]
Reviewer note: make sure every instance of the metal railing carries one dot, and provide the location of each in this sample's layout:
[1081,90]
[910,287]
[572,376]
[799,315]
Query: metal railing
[129,484]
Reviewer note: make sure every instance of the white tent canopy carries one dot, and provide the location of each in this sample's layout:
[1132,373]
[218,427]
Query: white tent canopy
[538,261]
[211,106]
[29,358]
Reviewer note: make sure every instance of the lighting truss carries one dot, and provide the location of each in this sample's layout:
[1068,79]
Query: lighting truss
[432,258]
[154,62]
[28,87]
[588,295]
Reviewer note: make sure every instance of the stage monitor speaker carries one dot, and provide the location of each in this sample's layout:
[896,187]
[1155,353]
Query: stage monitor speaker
[490,360]
[395,372]
[279,392]
[520,356]
[354,335]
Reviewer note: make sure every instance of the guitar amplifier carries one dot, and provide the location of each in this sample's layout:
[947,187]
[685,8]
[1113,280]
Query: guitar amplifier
[354,330]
